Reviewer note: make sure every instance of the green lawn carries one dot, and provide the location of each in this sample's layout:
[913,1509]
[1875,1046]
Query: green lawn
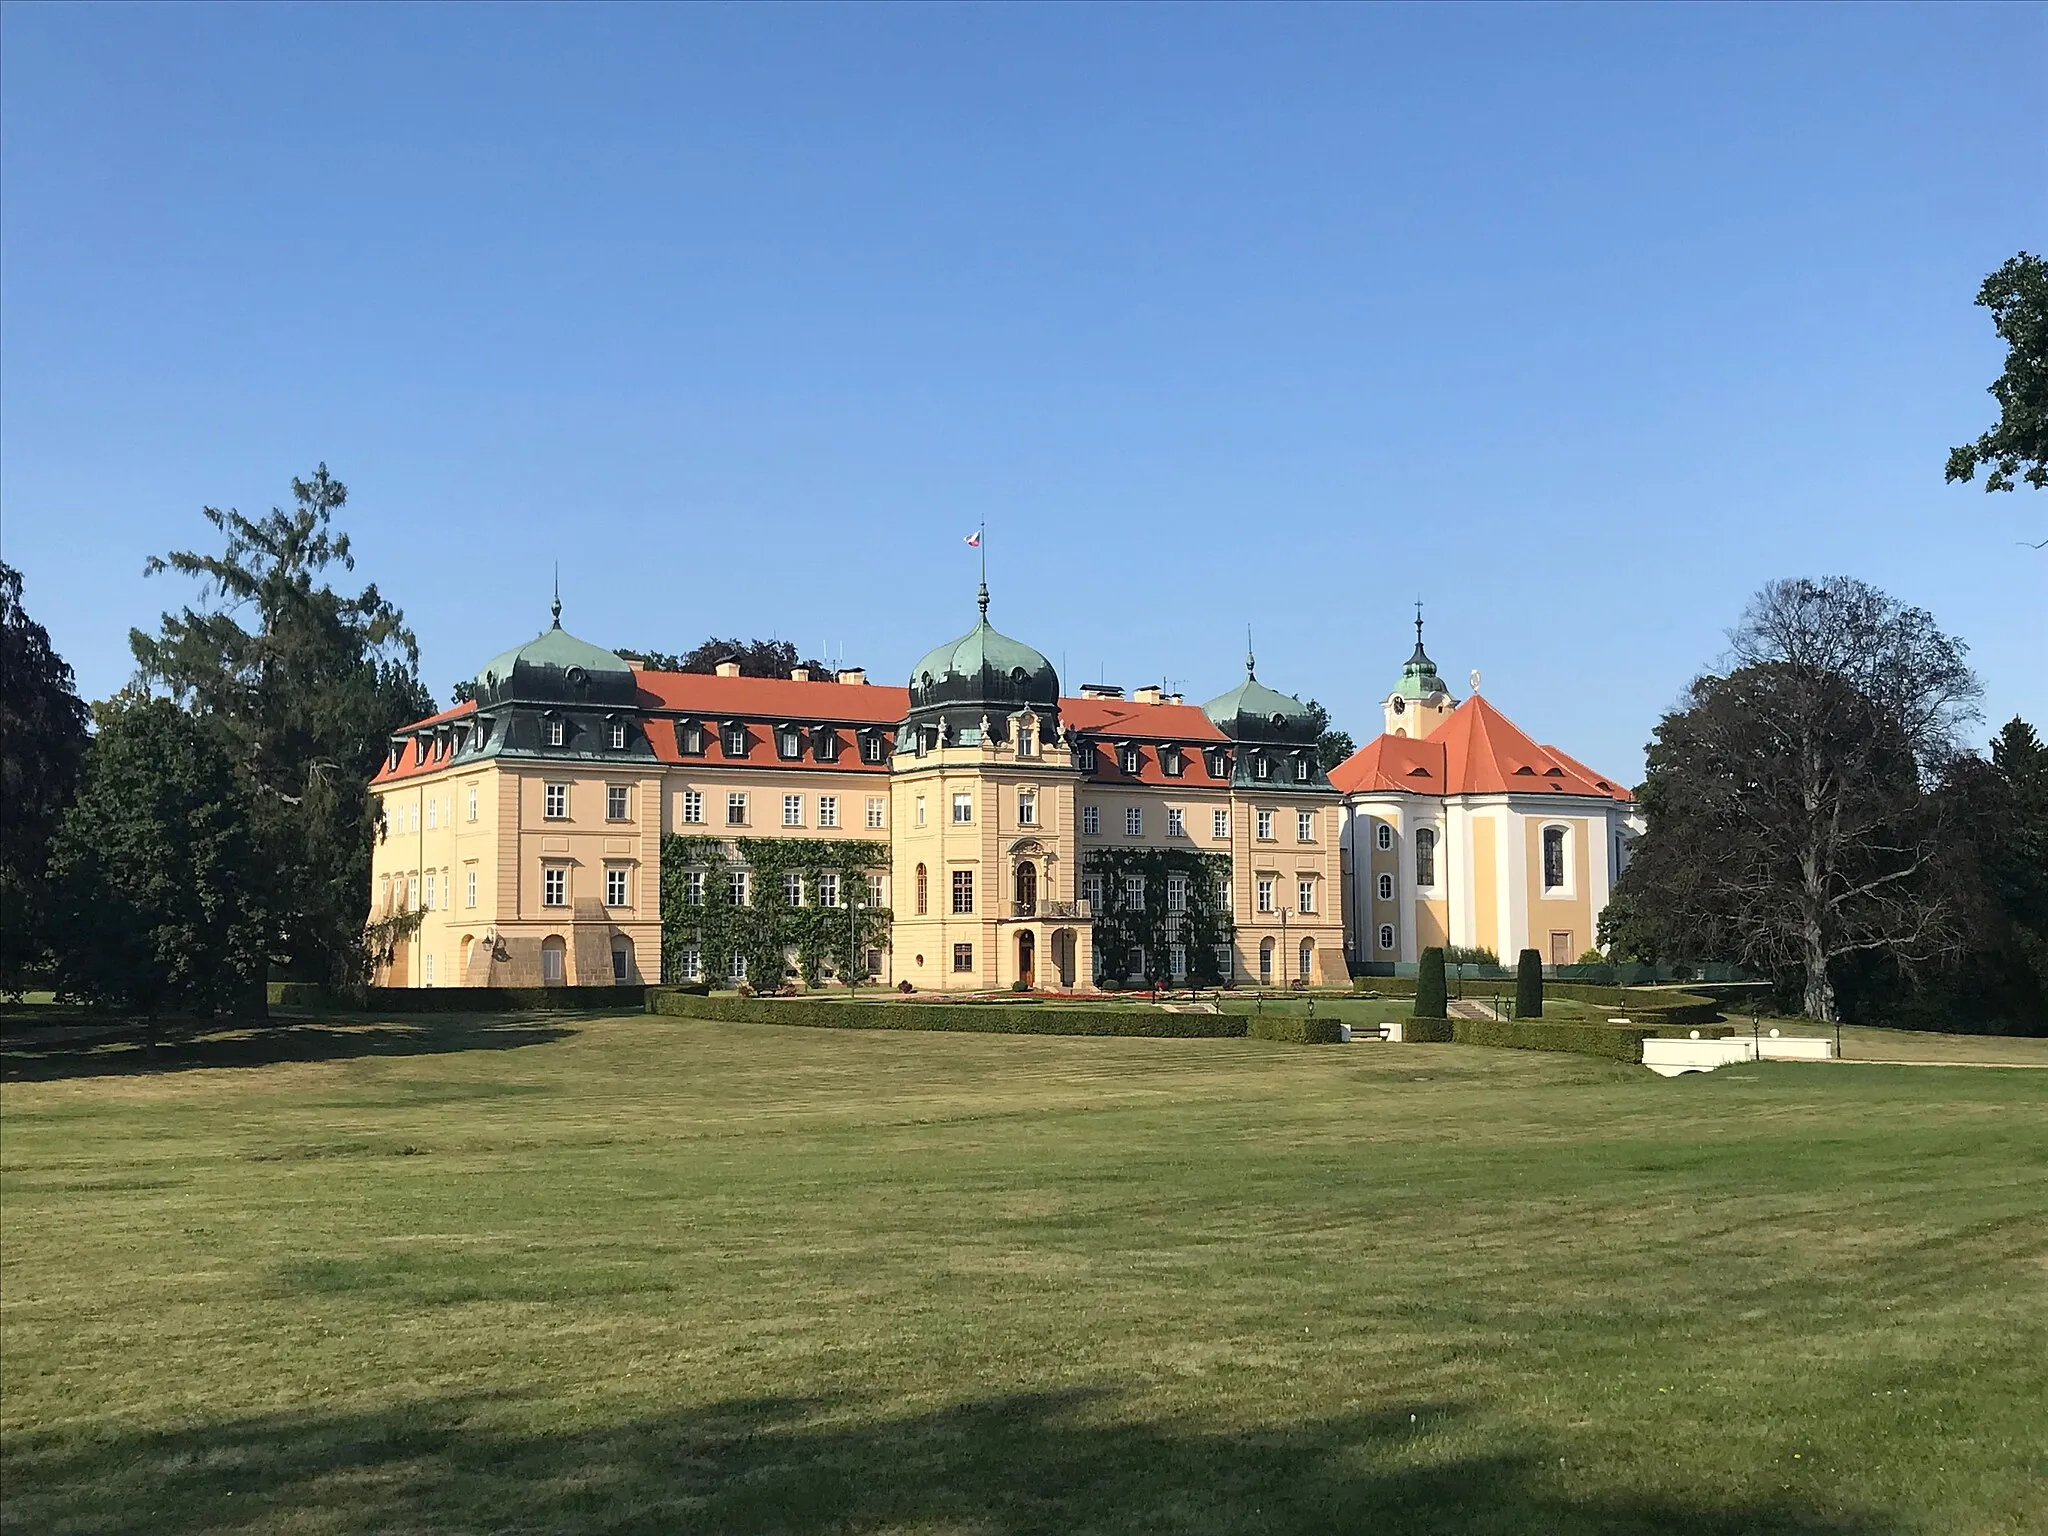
[571,1274]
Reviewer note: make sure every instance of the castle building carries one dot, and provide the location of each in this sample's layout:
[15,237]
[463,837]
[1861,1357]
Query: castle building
[1461,830]
[1031,838]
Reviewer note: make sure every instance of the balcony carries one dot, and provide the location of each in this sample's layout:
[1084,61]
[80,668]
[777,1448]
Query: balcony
[1051,911]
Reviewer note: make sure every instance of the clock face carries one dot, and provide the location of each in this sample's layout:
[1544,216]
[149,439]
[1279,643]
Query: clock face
[1400,706]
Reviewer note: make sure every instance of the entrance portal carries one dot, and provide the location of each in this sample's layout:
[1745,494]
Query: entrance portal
[1027,955]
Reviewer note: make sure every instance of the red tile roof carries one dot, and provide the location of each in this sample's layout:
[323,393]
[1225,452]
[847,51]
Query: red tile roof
[1477,751]
[771,698]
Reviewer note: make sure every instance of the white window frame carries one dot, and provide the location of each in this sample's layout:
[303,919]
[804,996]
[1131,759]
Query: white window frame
[1176,822]
[1219,824]
[1435,847]
[828,810]
[1176,893]
[736,808]
[1386,887]
[960,891]
[693,807]
[963,807]
[877,812]
[1134,891]
[739,887]
[555,802]
[1383,837]
[828,889]
[1265,826]
[792,810]
[469,887]
[557,731]
[1304,826]
[920,817]
[691,964]
[1565,889]
[1386,935]
[618,795]
[1027,808]
[793,889]
[618,736]
[433,814]
[472,802]
[1130,760]
[618,886]
[1134,821]
[1305,896]
[554,885]
[1268,899]
[1091,821]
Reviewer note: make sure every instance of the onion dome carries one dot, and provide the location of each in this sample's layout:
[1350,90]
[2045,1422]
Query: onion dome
[556,667]
[1418,673]
[984,671]
[1253,712]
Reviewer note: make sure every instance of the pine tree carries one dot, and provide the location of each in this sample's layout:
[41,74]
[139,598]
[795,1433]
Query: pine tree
[1432,997]
[1529,985]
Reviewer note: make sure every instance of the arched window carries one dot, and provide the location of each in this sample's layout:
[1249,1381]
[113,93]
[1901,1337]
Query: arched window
[1027,888]
[1425,858]
[1266,961]
[1386,935]
[553,952]
[622,959]
[923,891]
[1308,959]
[1386,887]
[1553,858]
[1384,837]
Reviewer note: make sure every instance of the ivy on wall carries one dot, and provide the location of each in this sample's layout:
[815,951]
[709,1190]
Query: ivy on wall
[1123,925]
[767,930]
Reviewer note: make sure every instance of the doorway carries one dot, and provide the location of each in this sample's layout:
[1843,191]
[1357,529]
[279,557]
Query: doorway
[1063,958]
[1560,946]
[1027,956]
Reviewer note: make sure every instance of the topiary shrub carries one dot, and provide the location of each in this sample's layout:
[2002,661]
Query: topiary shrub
[1425,1032]
[1432,997]
[1294,1030]
[1529,985]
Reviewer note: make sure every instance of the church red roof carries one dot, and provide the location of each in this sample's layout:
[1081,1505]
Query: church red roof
[1477,751]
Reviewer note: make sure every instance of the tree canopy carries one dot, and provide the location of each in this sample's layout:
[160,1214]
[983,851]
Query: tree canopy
[2017,447]
[304,684]
[757,658]
[1332,746]
[42,754]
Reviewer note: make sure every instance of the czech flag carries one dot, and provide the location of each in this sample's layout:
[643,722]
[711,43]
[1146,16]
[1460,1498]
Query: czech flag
[974,539]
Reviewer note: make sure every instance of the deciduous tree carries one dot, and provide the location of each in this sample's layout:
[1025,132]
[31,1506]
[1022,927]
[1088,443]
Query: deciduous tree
[2017,447]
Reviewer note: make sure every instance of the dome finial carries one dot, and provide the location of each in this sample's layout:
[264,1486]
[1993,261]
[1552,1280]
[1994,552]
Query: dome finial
[980,543]
[556,607]
[1418,623]
[1250,662]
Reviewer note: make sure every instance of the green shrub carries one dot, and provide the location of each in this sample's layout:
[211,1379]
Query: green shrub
[1529,985]
[299,994]
[1611,1041]
[1294,1029]
[1420,1031]
[1431,997]
[1470,954]
[967,1018]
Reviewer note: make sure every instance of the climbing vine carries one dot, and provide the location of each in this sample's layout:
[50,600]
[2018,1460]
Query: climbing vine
[766,929]
[1124,924]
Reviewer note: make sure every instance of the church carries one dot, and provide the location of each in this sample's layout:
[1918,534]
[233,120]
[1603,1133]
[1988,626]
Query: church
[1016,836]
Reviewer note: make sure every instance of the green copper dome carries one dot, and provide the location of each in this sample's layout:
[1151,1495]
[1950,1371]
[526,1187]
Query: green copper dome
[1252,711]
[556,666]
[1418,673]
[984,666]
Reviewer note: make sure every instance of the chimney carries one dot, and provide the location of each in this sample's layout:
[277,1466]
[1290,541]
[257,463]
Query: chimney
[854,675]
[799,674]
[1174,698]
[1102,691]
[727,668]
[636,664]
[1151,693]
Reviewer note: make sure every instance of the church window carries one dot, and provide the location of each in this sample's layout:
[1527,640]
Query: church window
[1386,887]
[923,892]
[1425,858]
[1386,935]
[1384,836]
[1553,858]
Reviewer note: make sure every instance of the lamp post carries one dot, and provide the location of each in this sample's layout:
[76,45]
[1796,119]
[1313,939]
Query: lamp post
[1284,915]
[852,930]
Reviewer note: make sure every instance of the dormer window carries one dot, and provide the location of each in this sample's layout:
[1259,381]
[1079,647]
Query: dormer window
[557,730]
[1027,740]
[1262,766]
[735,739]
[872,747]
[789,741]
[1085,758]
[1219,765]
[1302,769]
[1172,762]
[397,754]
[1128,760]
[617,735]
[689,737]
[827,743]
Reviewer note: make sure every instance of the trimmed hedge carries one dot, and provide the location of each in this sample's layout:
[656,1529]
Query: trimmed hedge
[1662,1005]
[300,994]
[1430,993]
[1425,1031]
[1295,1030]
[1610,1041]
[959,1018]
[1529,985]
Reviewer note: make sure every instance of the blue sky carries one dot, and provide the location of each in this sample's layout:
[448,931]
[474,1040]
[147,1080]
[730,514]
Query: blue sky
[1576,323]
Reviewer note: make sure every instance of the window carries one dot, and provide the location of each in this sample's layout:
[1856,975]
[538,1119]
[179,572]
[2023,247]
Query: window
[963,890]
[963,957]
[828,890]
[430,891]
[615,888]
[1266,826]
[1085,758]
[1130,760]
[1091,891]
[1176,893]
[1176,826]
[551,950]
[736,886]
[827,743]
[1304,896]
[469,888]
[1386,935]
[1262,766]
[433,814]
[1265,893]
[790,743]
[1219,767]
[556,731]
[1384,836]
[871,746]
[1303,768]
[693,742]
[1172,762]
[556,802]
[1304,826]
[1553,858]
[1027,808]
[736,966]
[1027,744]
[1177,961]
[878,896]
[921,890]
[1134,891]
[920,810]
[1386,887]
[792,810]
[1308,960]
[1226,962]
[472,802]
[1091,820]
[735,741]
[1425,858]
[693,888]
[1266,963]
[828,810]
[875,811]
[690,963]
[736,809]
[1134,821]
[412,892]
[1224,896]
[963,808]
[793,890]
[1137,960]
[615,802]
[554,886]
[618,736]
[1219,823]
[693,805]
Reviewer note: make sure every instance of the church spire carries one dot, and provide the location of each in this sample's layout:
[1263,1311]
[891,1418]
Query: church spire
[556,607]
[1250,661]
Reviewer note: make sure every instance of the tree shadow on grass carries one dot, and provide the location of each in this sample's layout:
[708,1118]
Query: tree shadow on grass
[124,1048]
[1000,1466]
